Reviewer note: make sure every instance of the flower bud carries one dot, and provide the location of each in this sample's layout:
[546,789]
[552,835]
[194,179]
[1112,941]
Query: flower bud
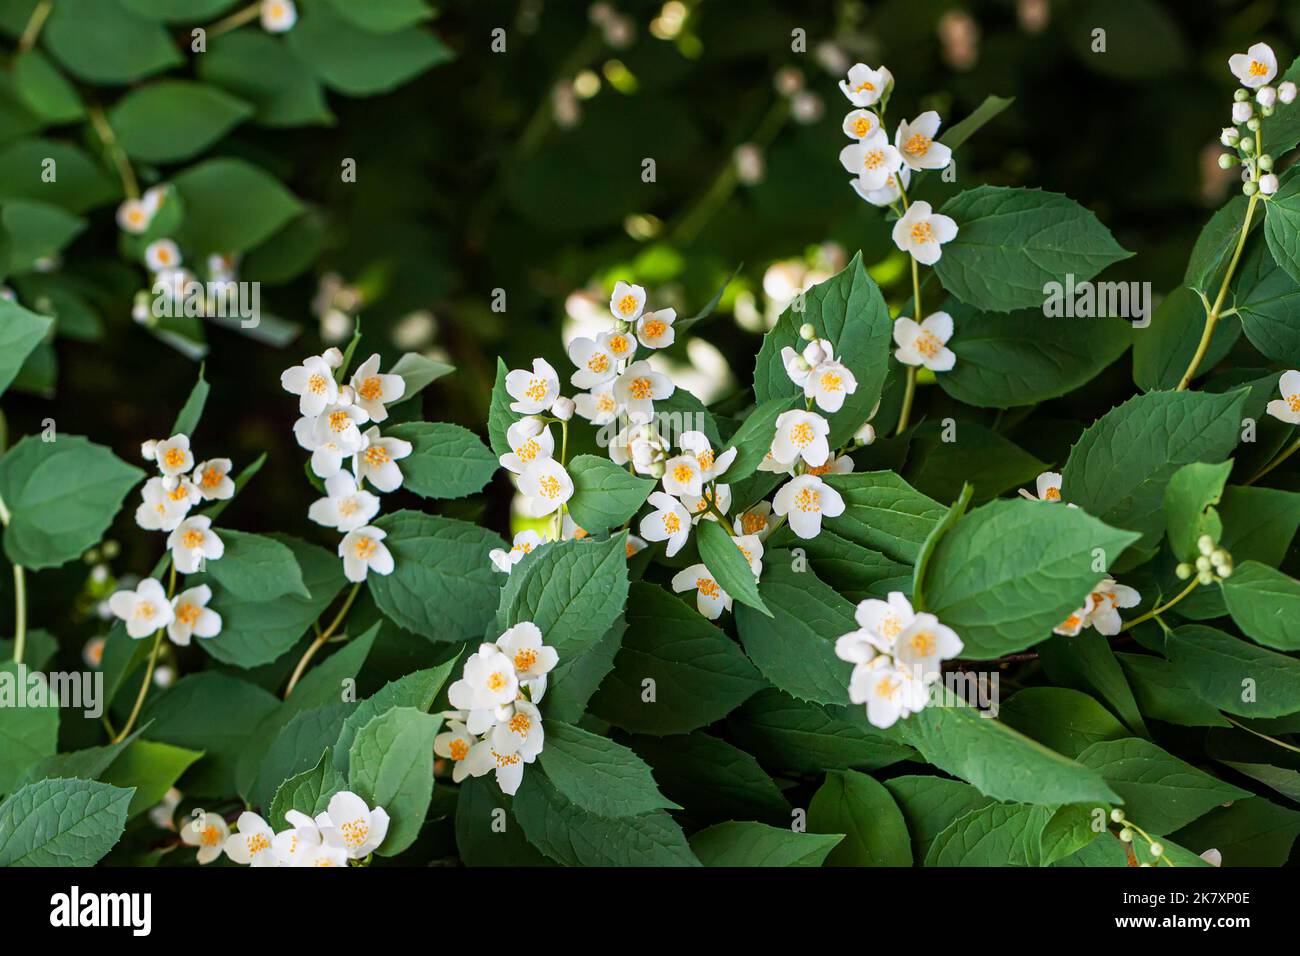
[1230,136]
[1267,111]
[1247,145]
[1219,556]
[1227,161]
[1265,161]
[807,332]
[1183,571]
[1126,835]
[347,396]
[149,449]
[1241,95]
[1252,124]
[1205,577]
[866,434]
[562,408]
[1205,544]
[1242,112]
[1249,189]
[1157,849]
[1268,184]
[1286,92]
[1116,815]
[1225,571]
[333,357]
[1266,96]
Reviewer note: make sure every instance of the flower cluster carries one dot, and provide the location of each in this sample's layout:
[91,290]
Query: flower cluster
[496,725]
[896,655]
[333,415]
[1255,69]
[348,829]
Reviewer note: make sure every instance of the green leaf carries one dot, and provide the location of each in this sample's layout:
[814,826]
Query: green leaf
[753,439]
[713,780]
[1251,832]
[884,513]
[1234,675]
[1012,242]
[978,583]
[256,630]
[44,90]
[443,586]
[576,678]
[358,63]
[37,231]
[1265,604]
[487,833]
[187,419]
[794,645]
[102,41]
[20,332]
[570,835]
[988,110]
[848,310]
[1282,226]
[81,184]
[604,495]
[61,823]
[150,769]
[1086,663]
[1191,492]
[1007,360]
[996,835]
[1214,246]
[722,556]
[417,690]
[257,568]
[179,11]
[500,417]
[597,775]
[808,738]
[929,804]
[290,748]
[308,792]
[1162,693]
[391,766]
[173,120]
[1069,830]
[1266,299]
[28,734]
[1160,792]
[418,372]
[1164,349]
[1061,719]
[981,457]
[698,675]
[736,844]
[260,69]
[1119,468]
[231,206]
[383,16]
[998,761]
[62,495]
[446,461]
[875,833]
[572,590]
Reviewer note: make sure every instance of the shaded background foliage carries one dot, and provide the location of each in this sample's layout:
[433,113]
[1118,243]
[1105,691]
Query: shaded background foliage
[470,178]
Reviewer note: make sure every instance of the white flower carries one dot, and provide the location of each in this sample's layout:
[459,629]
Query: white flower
[278,16]
[888,692]
[163,508]
[835,465]
[1077,620]
[1286,92]
[751,547]
[523,645]
[922,232]
[377,461]
[563,408]
[1268,184]
[865,86]
[174,456]
[134,216]
[454,744]
[362,550]
[162,254]
[518,734]
[711,468]
[599,406]
[619,344]
[828,383]
[801,434]
[887,194]
[313,383]
[1048,486]
[799,365]
[144,610]
[927,343]
[1266,96]
[860,124]
[1287,408]
[192,616]
[655,330]
[373,391]
[805,499]
[334,435]
[627,302]
[710,599]
[192,541]
[596,364]
[309,842]
[533,392]
[251,845]
[488,681]
[546,487]
[530,441]
[698,505]
[880,623]
[873,161]
[1107,598]
[1212,857]
[509,766]
[916,145]
[525,543]
[635,546]
[682,476]
[346,506]
[639,387]
[208,832]
[758,520]
[923,645]
[1254,68]
[212,479]
[362,829]
[670,522]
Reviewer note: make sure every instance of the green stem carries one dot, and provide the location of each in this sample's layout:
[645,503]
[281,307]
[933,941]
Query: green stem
[320,640]
[130,186]
[1157,611]
[20,597]
[149,668]
[34,24]
[909,393]
[1291,450]
[236,20]
[1273,740]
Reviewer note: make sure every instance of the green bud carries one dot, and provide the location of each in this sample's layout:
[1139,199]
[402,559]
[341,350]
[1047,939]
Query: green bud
[1227,161]
[1205,577]
[1116,815]
[1183,571]
[1225,571]
[1157,849]
[1219,556]
[807,332]
[1126,835]
[1241,96]
[1252,124]
[1267,110]
[1203,563]
[1247,145]
[1205,544]
[1265,162]
[1250,188]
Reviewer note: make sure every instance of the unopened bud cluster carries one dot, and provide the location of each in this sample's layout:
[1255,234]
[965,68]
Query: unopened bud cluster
[1256,69]
[1213,564]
